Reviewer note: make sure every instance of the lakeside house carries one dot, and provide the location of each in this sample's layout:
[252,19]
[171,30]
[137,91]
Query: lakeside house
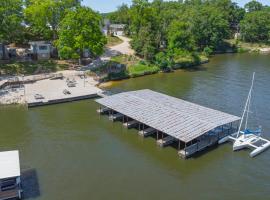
[113,29]
[117,29]
[40,50]
[10,175]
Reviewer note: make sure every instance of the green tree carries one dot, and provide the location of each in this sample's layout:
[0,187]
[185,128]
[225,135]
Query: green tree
[253,6]
[44,16]
[209,25]
[10,20]
[79,30]
[255,27]
[144,29]
[121,15]
[180,36]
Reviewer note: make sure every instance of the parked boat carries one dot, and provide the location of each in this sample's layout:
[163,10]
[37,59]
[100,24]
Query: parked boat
[248,138]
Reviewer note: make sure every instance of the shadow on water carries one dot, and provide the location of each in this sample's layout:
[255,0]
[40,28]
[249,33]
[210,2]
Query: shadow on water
[30,184]
[205,151]
[165,156]
[195,68]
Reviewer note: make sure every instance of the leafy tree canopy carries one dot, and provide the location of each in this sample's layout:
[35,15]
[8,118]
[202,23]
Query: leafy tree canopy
[255,27]
[79,30]
[10,20]
[253,6]
[44,16]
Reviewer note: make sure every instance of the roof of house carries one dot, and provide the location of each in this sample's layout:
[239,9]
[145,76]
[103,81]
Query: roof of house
[178,118]
[9,164]
[117,25]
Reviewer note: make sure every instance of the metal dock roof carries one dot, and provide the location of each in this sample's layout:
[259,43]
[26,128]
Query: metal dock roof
[178,118]
[9,164]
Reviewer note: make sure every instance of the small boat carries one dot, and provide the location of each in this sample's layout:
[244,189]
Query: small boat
[247,138]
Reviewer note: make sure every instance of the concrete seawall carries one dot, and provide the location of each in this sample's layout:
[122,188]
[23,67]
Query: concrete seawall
[63,100]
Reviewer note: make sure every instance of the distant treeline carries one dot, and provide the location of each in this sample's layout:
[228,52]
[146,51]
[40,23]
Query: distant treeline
[161,29]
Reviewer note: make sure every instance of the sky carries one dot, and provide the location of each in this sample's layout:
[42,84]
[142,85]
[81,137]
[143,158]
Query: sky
[104,6]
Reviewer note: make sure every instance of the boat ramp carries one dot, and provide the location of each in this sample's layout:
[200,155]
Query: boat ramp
[172,121]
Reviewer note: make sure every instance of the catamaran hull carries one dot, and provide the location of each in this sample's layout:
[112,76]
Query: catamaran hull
[239,147]
[227,138]
[259,150]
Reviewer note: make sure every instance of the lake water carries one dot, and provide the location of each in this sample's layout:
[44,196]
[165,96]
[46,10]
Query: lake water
[77,154]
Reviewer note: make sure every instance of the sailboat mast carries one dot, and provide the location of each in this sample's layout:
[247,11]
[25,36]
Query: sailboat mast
[249,101]
[246,105]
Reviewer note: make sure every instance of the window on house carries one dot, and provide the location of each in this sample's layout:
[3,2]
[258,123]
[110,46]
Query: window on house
[43,47]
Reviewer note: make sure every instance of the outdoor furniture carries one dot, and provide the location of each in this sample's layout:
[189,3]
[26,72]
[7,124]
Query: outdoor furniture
[66,92]
[71,84]
[38,96]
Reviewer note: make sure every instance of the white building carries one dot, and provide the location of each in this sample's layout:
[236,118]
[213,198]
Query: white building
[40,49]
[114,29]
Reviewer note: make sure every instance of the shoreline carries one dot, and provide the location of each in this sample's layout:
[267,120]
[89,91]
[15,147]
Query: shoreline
[108,83]
[50,91]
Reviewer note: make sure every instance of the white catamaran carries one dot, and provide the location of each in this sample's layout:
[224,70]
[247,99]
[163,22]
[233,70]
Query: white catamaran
[248,138]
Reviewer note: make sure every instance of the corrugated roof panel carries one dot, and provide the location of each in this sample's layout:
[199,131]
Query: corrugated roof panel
[178,118]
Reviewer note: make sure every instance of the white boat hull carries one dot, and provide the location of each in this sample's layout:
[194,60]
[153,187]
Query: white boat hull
[227,138]
[260,149]
[245,141]
[251,141]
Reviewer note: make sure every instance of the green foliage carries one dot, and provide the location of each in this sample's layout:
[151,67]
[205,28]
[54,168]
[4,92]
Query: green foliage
[79,30]
[180,36]
[255,27]
[253,6]
[209,26]
[44,16]
[10,20]
[189,26]
[207,51]
[163,61]
[121,16]
[185,59]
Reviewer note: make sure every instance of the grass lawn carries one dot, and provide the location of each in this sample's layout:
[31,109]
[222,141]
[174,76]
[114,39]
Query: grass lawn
[142,69]
[185,61]
[15,67]
[113,40]
[133,66]
[247,45]
[126,60]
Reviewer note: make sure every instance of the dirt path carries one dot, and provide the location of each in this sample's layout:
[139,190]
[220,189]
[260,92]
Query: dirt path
[123,48]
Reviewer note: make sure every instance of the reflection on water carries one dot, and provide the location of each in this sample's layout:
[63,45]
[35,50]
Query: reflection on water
[79,155]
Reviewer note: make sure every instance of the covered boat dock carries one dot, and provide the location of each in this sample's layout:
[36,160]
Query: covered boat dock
[191,126]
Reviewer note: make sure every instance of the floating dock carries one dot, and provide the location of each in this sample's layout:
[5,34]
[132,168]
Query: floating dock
[191,126]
